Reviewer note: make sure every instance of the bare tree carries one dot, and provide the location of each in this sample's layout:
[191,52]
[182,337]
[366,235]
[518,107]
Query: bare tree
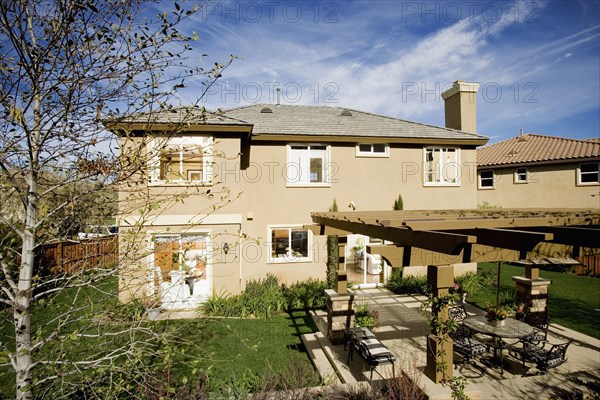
[65,67]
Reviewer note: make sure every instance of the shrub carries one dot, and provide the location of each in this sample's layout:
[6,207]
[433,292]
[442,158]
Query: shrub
[472,282]
[224,306]
[307,295]
[407,285]
[296,374]
[366,317]
[264,297]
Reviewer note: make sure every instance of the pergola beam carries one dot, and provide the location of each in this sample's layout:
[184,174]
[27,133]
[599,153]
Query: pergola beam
[323,230]
[390,252]
[511,238]
[574,235]
[444,242]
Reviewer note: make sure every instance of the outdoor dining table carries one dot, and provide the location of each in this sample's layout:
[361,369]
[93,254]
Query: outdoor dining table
[511,329]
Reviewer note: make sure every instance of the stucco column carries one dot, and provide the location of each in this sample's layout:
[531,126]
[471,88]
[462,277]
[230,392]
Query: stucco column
[441,279]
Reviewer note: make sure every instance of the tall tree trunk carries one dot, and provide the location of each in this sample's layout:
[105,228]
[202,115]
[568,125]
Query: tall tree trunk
[22,310]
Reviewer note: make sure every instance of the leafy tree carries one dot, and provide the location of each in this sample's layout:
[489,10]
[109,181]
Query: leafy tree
[66,68]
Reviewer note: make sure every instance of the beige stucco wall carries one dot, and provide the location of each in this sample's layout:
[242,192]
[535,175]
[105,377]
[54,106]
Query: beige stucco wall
[549,186]
[370,183]
[265,199]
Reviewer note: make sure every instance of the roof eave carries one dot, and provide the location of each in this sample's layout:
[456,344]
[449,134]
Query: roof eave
[365,139]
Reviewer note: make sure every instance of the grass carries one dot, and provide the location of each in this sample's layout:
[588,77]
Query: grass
[573,301]
[233,353]
[236,352]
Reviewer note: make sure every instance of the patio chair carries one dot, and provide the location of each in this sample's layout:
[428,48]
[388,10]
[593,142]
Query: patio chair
[540,324]
[544,358]
[457,313]
[468,347]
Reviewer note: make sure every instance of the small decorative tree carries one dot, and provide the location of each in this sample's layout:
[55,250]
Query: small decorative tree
[398,203]
[332,253]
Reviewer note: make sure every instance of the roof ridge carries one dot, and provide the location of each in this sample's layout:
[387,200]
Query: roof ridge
[554,137]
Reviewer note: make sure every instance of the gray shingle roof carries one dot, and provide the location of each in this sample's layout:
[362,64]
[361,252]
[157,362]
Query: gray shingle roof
[327,121]
[185,115]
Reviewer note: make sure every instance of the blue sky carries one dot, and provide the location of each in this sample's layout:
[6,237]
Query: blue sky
[537,62]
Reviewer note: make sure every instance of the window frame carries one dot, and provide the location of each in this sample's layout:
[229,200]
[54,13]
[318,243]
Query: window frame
[480,180]
[580,173]
[518,174]
[441,167]
[292,166]
[372,153]
[156,147]
[289,258]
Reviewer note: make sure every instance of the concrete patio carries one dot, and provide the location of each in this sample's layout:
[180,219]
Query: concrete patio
[402,330]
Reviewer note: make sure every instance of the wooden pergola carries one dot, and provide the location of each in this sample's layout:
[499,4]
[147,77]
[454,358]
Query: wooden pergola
[440,238]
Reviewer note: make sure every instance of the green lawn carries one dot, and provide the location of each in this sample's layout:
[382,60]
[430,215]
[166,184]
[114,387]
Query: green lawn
[233,353]
[574,301]
[239,351]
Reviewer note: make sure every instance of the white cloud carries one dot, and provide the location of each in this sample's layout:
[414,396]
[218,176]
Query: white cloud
[374,52]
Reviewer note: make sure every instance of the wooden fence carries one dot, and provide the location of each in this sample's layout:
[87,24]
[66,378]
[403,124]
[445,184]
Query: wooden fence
[590,265]
[72,257]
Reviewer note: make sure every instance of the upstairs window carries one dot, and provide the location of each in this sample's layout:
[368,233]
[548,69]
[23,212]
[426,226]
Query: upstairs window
[180,160]
[521,175]
[307,165]
[372,150]
[589,174]
[441,166]
[486,179]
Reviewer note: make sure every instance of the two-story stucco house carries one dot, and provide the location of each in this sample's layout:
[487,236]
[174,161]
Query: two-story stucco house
[265,168]
[537,171]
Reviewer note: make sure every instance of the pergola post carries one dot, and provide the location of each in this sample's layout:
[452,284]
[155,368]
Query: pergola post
[341,285]
[439,347]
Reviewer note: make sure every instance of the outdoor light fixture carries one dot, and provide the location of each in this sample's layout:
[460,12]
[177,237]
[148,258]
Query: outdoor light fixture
[225,248]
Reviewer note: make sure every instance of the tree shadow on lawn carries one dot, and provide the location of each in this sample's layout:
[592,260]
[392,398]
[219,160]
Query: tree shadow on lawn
[303,323]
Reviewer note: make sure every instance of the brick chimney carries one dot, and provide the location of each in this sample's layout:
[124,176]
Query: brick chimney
[460,106]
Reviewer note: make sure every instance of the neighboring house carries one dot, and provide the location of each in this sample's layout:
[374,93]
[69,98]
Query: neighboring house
[286,161]
[537,171]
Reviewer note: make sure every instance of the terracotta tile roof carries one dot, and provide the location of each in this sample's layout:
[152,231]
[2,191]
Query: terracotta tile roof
[533,148]
[317,121]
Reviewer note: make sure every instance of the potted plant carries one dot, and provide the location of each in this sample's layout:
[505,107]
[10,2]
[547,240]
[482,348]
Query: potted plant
[496,315]
[365,317]
[520,312]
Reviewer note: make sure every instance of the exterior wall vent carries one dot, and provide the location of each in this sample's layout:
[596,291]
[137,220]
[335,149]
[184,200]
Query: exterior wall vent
[346,113]
[266,110]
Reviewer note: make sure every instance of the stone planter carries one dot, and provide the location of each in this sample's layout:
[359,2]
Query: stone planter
[496,322]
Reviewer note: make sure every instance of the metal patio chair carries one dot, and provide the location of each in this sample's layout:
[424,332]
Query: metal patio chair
[544,354]
[468,347]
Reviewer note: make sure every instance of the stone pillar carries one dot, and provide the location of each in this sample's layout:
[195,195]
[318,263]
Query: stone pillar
[339,313]
[532,291]
[441,279]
